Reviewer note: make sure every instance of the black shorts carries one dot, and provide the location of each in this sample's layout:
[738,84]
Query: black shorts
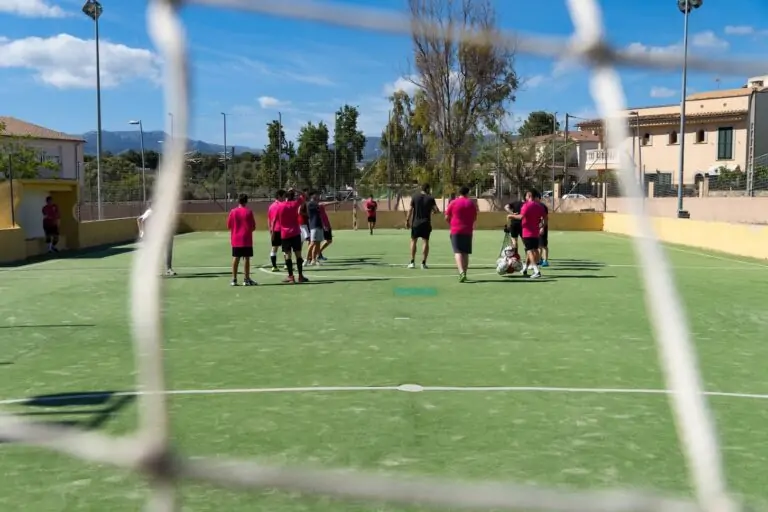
[242,252]
[462,244]
[515,229]
[275,239]
[51,230]
[293,244]
[531,244]
[328,235]
[372,219]
[544,239]
[422,231]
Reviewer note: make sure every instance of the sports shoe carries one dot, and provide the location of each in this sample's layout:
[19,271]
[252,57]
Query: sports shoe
[275,269]
[233,283]
[249,282]
[544,263]
[411,265]
[289,280]
[303,279]
[536,275]
[463,277]
[170,272]
[424,266]
[322,258]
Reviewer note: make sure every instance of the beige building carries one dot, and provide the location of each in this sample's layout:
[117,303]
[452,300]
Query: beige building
[577,148]
[724,129]
[64,150]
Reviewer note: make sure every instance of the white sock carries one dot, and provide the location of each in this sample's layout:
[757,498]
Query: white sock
[535,268]
[525,267]
[272,254]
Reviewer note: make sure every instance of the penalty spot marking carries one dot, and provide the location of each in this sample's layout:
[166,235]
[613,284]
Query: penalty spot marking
[407,388]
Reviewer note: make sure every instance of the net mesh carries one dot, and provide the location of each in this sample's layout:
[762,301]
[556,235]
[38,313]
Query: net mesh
[148,451]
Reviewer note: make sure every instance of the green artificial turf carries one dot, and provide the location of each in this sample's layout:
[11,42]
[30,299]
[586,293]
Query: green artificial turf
[367,321]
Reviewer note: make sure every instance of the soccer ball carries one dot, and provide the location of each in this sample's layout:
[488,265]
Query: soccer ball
[509,265]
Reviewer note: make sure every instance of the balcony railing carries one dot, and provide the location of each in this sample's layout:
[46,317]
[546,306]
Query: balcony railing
[597,158]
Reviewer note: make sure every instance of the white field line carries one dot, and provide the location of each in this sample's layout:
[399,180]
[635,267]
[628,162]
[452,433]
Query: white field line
[402,388]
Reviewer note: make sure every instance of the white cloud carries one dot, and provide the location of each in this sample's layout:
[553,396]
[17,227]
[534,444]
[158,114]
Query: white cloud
[268,102]
[534,81]
[708,40]
[67,62]
[662,92]
[404,83]
[31,9]
[739,30]
[564,67]
[641,48]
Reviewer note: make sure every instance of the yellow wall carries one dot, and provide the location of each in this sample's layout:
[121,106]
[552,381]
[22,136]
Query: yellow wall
[746,240]
[105,232]
[12,246]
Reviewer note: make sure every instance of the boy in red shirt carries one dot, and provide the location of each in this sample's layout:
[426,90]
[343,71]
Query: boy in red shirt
[370,207]
[461,214]
[51,224]
[533,217]
[241,225]
[274,229]
[291,236]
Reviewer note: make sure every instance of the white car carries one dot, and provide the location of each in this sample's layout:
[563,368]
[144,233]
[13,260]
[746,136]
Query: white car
[575,196]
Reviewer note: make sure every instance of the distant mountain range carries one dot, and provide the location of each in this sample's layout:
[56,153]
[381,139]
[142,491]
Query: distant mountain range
[120,142]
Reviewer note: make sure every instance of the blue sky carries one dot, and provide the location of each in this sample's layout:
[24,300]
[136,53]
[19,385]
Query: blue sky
[252,66]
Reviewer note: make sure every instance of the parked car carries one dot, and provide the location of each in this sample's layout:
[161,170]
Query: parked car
[577,196]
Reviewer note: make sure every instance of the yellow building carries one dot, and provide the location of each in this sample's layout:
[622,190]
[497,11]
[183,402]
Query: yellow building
[724,129]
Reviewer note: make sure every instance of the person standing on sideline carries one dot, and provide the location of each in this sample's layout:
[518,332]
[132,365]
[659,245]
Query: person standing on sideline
[461,215]
[51,218]
[315,222]
[141,222]
[370,207]
[241,225]
[419,221]
[274,229]
[544,238]
[532,216]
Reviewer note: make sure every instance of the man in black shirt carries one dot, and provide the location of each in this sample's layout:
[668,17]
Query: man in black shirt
[515,228]
[544,237]
[315,225]
[423,206]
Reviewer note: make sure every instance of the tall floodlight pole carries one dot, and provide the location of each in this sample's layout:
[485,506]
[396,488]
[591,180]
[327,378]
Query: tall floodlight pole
[143,161]
[639,161]
[280,150]
[685,6]
[226,156]
[93,10]
[335,151]
[389,160]
[554,140]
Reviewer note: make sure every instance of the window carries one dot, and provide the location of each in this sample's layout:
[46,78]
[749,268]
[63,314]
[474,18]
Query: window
[646,139]
[725,143]
[701,137]
[673,137]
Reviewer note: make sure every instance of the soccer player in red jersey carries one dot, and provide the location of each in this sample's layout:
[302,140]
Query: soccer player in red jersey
[290,234]
[533,217]
[241,225]
[275,241]
[51,219]
[461,214]
[304,217]
[370,207]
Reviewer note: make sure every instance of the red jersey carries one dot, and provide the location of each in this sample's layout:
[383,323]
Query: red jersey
[324,218]
[288,217]
[303,219]
[241,225]
[371,207]
[50,214]
[461,214]
[272,217]
[533,214]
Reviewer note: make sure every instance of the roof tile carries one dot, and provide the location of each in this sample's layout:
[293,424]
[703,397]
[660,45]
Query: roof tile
[18,128]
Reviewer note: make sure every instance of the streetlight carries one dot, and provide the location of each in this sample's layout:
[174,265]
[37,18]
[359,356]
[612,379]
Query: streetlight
[226,155]
[639,162]
[280,150]
[143,165]
[554,140]
[93,10]
[685,6]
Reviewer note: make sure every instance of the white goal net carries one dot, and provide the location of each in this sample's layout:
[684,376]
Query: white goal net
[148,451]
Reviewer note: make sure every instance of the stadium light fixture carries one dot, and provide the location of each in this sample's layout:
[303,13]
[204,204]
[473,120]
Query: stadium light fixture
[93,10]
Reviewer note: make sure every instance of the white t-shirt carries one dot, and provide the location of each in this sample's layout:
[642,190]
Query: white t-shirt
[146,215]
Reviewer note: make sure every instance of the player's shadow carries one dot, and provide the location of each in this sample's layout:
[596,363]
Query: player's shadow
[350,262]
[86,410]
[573,264]
[201,275]
[81,254]
[544,279]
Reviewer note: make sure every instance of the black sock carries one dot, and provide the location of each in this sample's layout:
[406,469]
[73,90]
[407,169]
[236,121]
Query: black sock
[412,261]
[289,266]
[300,266]
[423,262]
[273,260]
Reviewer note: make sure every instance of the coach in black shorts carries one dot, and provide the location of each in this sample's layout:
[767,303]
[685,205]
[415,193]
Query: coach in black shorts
[544,238]
[423,206]
[515,227]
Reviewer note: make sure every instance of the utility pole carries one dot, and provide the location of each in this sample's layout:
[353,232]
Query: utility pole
[554,141]
[279,150]
[389,160]
[226,155]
